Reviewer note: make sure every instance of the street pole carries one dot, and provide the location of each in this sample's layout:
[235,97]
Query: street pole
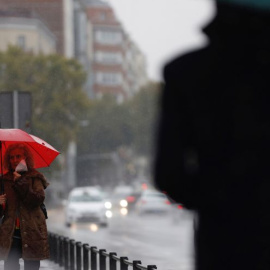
[15,109]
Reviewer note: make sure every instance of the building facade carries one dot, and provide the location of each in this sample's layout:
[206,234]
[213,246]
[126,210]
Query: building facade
[115,57]
[57,14]
[108,51]
[26,31]
[89,31]
[83,50]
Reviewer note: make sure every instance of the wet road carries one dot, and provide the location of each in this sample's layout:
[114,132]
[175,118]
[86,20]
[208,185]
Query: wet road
[152,239]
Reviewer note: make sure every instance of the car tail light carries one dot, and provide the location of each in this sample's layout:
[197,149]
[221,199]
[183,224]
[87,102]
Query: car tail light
[130,199]
[179,206]
[144,186]
[167,202]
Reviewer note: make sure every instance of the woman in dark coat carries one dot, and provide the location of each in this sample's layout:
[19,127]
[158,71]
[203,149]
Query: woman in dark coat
[214,141]
[23,232]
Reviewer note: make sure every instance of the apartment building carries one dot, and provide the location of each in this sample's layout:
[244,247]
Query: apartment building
[89,31]
[108,50]
[67,20]
[83,50]
[115,56]
[57,14]
[27,31]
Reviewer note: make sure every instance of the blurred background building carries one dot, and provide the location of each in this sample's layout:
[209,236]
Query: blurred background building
[112,53]
[57,14]
[85,29]
[27,31]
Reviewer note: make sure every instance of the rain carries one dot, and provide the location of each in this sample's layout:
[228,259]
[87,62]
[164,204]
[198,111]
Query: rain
[85,76]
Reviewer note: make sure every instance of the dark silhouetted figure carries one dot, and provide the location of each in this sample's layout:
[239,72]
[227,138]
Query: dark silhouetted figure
[213,152]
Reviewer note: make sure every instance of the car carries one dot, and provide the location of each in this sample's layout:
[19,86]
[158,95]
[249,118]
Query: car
[132,199]
[153,201]
[86,204]
[119,199]
[178,212]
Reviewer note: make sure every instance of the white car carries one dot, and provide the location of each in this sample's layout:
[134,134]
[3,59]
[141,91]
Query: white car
[152,201]
[86,204]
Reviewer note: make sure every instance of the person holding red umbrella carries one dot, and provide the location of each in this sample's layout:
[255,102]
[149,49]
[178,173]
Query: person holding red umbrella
[23,232]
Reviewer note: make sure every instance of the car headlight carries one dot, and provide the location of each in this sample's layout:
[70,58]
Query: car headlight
[108,214]
[123,203]
[108,205]
[124,211]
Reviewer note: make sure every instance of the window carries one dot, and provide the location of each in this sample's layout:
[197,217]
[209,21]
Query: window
[109,79]
[21,42]
[108,57]
[108,37]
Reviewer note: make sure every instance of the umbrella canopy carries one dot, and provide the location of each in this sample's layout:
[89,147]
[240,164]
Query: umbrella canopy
[43,153]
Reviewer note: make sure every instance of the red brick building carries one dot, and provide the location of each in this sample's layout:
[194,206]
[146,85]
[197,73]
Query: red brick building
[110,46]
[108,51]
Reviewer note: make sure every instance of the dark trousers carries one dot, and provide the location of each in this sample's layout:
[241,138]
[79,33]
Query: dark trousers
[12,262]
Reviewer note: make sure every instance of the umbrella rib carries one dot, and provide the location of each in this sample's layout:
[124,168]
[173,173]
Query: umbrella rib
[38,153]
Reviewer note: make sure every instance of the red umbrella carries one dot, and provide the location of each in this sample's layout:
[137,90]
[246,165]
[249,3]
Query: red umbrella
[43,153]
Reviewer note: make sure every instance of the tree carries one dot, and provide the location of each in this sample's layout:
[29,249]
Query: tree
[112,125]
[143,109]
[126,129]
[56,86]
[108,127]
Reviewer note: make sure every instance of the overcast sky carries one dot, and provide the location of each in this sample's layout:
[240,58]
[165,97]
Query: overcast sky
[164,28]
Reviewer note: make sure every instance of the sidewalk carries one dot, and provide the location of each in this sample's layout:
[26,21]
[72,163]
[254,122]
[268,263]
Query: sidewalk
[47,265]
[44,265]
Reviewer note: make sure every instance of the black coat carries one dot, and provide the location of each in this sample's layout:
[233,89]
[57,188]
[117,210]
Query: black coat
[213,152]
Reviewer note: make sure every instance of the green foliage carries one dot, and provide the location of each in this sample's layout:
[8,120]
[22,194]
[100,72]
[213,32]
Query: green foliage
[59,105]
[144,108]
[55,82]
[108,127]
[129,124]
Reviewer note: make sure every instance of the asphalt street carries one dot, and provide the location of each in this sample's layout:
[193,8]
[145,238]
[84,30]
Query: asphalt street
[161,240]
